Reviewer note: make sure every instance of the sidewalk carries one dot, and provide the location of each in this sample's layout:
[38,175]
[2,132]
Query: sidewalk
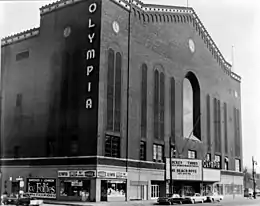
[136,203]
[227,199]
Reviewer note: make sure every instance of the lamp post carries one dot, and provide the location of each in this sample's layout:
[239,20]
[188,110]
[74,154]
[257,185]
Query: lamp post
[253,174]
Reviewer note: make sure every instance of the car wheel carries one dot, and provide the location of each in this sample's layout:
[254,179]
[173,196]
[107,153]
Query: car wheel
[202,201]
[192,201]
[212,200]
[180,202]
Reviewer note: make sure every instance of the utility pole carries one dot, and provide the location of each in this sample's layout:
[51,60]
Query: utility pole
[128,82]
[171,183]
[253,174]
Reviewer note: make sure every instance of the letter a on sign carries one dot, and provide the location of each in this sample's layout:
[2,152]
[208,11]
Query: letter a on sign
[89,103]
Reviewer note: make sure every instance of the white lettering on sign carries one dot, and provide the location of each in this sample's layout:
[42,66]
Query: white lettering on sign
[90,54]
[89,70]
[184,169]
[89,103]
[89,86]
[92,8]
[91,37]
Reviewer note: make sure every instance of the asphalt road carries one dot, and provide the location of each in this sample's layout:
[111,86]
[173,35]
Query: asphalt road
[235,202]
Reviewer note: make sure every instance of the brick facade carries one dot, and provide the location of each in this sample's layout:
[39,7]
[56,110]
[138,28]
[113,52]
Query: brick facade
[53,85]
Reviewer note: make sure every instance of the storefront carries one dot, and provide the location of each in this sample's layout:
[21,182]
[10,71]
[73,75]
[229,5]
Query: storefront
[75,184]
[209,177]
[113,185]
[186,175]
[231,183]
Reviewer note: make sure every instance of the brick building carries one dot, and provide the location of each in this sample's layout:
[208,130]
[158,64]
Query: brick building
[91,107]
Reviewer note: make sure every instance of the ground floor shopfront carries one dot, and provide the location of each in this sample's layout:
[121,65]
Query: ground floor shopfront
[231,183]
[102,182]
[106,182]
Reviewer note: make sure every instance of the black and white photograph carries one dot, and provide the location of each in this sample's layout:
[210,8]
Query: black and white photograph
[129,102]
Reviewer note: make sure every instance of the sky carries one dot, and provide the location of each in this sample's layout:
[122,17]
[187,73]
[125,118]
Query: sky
[229,22]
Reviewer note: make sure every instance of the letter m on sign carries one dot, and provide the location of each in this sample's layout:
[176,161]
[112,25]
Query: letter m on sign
[90,54]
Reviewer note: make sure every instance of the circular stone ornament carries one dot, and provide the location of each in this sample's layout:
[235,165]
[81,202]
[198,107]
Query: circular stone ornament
[116,27]
[67,32]
[191,45]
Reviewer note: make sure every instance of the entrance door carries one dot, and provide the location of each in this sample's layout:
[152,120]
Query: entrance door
[155,191]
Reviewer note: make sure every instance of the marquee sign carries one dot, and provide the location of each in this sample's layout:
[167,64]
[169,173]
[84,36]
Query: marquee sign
[211,164]
[77,173]
[184,169]
[90,70]
[112,175]
[42,187]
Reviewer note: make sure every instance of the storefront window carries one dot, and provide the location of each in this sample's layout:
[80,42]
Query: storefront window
[76,188]
[116,188]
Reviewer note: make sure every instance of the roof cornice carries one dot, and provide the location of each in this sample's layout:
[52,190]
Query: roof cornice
[146,8]
[20,36]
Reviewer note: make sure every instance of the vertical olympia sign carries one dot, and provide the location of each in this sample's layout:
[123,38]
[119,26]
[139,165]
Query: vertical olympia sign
[91,65]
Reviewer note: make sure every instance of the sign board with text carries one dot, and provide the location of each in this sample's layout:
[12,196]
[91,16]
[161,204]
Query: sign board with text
[184,169]
[42,187]
[77,173]
[112,175]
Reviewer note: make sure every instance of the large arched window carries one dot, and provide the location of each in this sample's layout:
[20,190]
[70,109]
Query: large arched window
[191,107]
[114,91]
[159,105]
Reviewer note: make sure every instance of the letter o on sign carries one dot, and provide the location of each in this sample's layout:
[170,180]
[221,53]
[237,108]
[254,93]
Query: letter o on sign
[21,183]
[92,8]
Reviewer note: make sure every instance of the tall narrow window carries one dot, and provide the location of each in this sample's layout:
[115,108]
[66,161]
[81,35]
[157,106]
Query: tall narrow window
[237,165]
[112,146]
[216,124]
[191,107]
[237,132]
[219,127]
[225,128]
[172,110]
[110,89]
[144,101]
[161,103]
[156,104]
[114,91]
[238,135]
[208,124]
[158,152]
[143,150]
[118,92]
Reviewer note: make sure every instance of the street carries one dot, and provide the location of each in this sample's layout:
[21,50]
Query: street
[229,202]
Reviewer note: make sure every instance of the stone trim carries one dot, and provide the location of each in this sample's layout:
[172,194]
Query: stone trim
[81,160]
[20,36]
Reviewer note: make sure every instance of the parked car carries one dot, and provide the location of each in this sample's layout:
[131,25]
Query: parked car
[196,198]
[21,199]
[214,197]
[171,199]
